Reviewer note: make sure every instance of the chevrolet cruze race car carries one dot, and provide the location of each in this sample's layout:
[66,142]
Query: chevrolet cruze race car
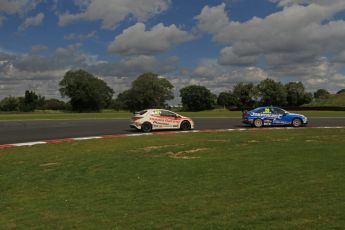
[154,119]
[273,116]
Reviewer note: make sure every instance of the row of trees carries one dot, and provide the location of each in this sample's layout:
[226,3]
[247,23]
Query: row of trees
[88,93]
[30,102]
[267,92]
[150,91]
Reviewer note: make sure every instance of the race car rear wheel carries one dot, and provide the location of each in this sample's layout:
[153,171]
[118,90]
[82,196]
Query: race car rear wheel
[185,125]
[296,122]
[258,123]
[146,127]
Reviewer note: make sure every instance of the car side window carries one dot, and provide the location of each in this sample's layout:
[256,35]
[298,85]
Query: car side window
[167,113]
[260,111]
[278,111]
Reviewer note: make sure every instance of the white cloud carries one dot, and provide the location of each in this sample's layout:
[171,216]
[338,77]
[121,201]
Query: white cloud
[2,19]
[42,73]
[301,42]
[112,12]
[285,3]
[215,77]
[305,30]
[228,57]
[322,73]
[32,21]
[210,69]
[62,58]
[137,40]
[38,48]
[18,6]
[133,66]
[213,19]
[19,72]
[81,37]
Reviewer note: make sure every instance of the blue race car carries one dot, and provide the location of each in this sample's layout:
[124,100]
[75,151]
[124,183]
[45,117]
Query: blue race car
[273,116]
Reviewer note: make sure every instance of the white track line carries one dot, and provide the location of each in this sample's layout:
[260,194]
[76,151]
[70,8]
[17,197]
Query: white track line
[150,134]
[30,143]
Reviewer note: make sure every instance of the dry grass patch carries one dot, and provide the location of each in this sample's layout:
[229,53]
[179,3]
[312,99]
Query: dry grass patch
[218,141]
[49,164]
[185,154]
[157,147]
[253,141]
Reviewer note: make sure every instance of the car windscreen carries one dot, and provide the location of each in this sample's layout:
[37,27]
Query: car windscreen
[141,112]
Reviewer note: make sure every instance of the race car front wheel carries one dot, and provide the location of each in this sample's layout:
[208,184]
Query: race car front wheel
[296,122]
[185,125]
[146,127]
[258,123]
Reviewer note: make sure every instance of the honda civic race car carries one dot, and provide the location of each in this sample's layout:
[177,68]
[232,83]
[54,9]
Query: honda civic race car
[273,116]
[155,119]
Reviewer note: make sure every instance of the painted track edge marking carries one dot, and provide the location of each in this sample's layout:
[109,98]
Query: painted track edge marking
[28,144]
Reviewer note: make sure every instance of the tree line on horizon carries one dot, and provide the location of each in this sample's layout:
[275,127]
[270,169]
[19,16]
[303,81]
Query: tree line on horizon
[89,93]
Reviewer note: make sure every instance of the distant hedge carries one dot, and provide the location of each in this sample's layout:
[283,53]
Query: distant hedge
[299,108]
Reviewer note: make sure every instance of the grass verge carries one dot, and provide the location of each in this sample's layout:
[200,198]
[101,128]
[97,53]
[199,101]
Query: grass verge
[331,100]
[277,179]
[110,114]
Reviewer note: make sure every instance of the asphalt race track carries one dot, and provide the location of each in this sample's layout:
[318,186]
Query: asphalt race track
[27,131]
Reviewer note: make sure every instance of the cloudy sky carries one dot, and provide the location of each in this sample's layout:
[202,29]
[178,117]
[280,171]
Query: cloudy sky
[215,43]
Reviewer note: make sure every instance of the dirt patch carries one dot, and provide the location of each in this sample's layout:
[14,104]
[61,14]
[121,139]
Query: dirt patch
[253,141]
[219,141]
[312,141]
[150,148]
[49,164]
[194,150]
[185,155]
[280,140]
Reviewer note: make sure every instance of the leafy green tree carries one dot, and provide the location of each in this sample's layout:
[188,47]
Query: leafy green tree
[341,91]
[86,92]
[126,101]
[244,95]
[321,94]
[271,92]
[40,102]
[296,94]
[226,99]
[308,98]
[29,102]
[9,104]
[116,104]
[54,104]
[197,98]
[147,91]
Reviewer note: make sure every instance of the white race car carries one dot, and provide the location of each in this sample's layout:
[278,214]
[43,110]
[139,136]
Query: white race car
[155,119]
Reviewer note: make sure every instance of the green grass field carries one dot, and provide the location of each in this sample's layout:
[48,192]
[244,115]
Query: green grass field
[332,100]
[110,114]
[41,115]
[267,179]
